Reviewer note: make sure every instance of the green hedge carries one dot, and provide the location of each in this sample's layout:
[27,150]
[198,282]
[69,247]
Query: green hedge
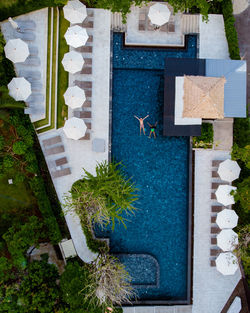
[206,139]
[19,7]
[231,33]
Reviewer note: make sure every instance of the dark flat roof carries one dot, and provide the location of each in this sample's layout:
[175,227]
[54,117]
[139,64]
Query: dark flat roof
[178,67]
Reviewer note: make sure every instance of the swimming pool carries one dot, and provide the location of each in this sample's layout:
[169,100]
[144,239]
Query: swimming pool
[154,245]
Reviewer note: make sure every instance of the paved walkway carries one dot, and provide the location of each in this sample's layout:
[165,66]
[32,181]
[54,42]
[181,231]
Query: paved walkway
[242,25]
[223,134]
[79,152]
[211,290]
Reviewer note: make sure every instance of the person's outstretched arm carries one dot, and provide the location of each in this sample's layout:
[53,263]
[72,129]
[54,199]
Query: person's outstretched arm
[136,117]
[145,117]
[149,125]
[156,123]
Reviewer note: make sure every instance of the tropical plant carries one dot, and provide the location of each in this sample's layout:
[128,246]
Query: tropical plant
[104,198]
[206,139]
[243,249]
[243,194]
[39,291]
[242,154]
[20,237]
[109,281]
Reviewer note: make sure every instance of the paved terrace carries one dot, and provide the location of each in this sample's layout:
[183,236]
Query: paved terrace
[79,153]
[40,18]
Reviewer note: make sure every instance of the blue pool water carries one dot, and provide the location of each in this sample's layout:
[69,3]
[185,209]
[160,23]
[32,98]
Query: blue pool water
[154,245]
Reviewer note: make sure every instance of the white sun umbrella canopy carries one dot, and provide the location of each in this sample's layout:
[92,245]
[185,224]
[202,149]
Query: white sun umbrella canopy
[229,170]
[223,194]
[75,11]
[227,219]
[159,14]
[72,62]
[74,97]
[75,128]
[76,36]
[19,88]
[227,263]
[16,50]
[227,240]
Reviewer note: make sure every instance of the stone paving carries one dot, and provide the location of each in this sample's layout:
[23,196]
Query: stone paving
[242,26]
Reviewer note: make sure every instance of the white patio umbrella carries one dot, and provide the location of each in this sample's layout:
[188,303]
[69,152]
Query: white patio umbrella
[16,50]
[227,263]
[223,194]
[74,97]
[74,128]
[76,36]
[159,14]
[72,62]
[227,219]
[229,170]
[19,88]
[227,240]
[75,11]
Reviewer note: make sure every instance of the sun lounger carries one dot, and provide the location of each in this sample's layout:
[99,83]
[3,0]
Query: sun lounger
[215,174]
[142,22]
[54,150]
[213,241]
[82,114]
[26,36]
[86,137]
[217,208]
[36,86]
[88,93]
[215,230]
[212,263]
[52,141]
[171,27]
[83,84]
[216,185]
[27,25]
[90,39]
[213,219]
[85,49]
[213,196]
[215,252]
[87,61]
[34,75]
[87,24]
[86,70]
[216,163]
[33,61]
[61,161]
[33,51]
[61,173]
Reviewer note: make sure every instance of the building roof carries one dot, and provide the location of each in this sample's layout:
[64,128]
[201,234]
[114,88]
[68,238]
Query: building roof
[235,89]
[203,97]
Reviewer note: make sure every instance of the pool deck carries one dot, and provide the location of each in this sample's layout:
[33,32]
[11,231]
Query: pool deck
[79,153]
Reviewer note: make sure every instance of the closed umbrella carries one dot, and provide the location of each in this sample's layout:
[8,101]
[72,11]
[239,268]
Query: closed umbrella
[159,14]
[227,263]
[13,23]
[72,62]
[16,50]
[229,170]
[74,97]
[19,88]
[223,194]
[74,128]
[76,36]
[227,240]
[227,219]
[75,11]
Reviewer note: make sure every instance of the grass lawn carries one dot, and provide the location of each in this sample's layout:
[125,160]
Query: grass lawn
[62,84]
[46,119]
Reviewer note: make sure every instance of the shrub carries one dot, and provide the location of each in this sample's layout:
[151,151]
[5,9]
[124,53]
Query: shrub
[5,270]
[38,290]
[207,137]
[8,161]
[20,237]
[19,178]
[231,34]
[19,147]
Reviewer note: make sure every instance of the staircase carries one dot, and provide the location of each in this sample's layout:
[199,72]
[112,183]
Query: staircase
[190,23]
[116,23]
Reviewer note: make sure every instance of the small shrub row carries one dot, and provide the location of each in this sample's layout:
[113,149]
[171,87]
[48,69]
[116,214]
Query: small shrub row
[231,33]
[21,7]
[206,139]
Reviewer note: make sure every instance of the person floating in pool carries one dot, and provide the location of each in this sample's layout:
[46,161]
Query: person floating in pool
[141,120]
[152,129]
